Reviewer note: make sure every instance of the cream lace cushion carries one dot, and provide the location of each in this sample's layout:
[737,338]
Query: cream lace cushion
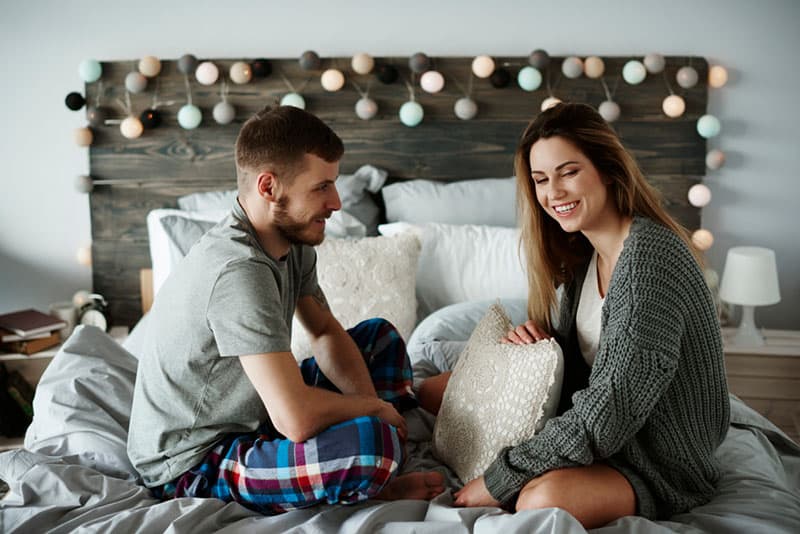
[498,396]
[366,278]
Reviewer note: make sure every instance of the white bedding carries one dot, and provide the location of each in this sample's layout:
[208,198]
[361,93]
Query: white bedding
[73,474]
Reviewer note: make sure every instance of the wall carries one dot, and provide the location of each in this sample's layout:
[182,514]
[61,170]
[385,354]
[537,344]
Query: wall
[43,220]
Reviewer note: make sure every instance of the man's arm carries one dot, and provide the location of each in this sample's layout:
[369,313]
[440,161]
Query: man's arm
[336,353]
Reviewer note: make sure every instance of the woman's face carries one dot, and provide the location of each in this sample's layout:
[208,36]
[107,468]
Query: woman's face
[568,186]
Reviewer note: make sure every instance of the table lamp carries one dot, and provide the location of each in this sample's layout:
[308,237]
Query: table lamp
[750,279]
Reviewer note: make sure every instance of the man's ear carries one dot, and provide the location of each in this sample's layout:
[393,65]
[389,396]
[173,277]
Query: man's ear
[267,186]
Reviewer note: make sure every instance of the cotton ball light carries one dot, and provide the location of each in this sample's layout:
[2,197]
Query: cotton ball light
[84,256]
[539,59]
[149,66]
[500,78]
[686,77]
[84,184]
[362,63]
[609,110]
[432,81]
[131,127]
[150,118]
[261,68]
[96,116]
[711,277]
[529,78]
[594,67]
[80,298]
[293,99]
[189,117]
[549,102]
[703,239]
[419,63]
[223,112]
[187,64]
[90,70]
[572,67]
[309,60]
[240,73]
[83,136]
[673,106]
[483,66]
[717,76]
[699,195]
[411,113]
[332,80]
[386,74]
[465,108]
[135,82]
[366,108]
[708,126]
[634,72]
[207,73]
[715,159]
[654,63]
[74,101]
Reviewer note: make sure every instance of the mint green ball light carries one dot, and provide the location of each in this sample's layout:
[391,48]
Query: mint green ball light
[411,113]
[529,78]
[708,126]
[90,70]
[293,99]
[190,117]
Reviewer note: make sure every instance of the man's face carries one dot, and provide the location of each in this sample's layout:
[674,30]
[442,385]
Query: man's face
[308,201]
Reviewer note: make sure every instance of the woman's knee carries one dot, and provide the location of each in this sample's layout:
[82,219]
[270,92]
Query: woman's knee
[545,494]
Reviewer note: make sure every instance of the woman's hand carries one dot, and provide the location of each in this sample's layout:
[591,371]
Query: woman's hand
[475,494]
[524,334]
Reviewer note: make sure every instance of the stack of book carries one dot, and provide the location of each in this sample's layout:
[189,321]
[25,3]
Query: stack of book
[29,331]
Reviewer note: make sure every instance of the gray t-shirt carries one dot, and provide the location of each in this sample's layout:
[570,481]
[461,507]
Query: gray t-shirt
[226,298]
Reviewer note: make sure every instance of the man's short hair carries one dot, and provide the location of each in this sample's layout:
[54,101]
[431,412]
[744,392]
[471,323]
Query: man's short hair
[277,139]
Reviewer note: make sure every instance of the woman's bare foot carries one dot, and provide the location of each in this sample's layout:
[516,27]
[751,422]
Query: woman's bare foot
[424,485]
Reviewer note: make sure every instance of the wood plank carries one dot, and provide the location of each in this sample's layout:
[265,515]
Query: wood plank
[765,388]
[763,366]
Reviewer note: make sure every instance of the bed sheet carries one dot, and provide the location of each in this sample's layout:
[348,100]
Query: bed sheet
[58,485]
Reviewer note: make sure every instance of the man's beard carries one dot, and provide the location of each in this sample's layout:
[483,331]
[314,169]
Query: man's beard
[295,231]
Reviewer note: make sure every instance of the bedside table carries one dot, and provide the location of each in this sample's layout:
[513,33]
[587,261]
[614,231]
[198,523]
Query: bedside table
[767,378]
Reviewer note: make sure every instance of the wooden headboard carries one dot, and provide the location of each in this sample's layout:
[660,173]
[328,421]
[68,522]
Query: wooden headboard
[134,176]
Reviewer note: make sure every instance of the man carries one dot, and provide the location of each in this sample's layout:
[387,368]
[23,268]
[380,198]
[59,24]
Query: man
[221,408]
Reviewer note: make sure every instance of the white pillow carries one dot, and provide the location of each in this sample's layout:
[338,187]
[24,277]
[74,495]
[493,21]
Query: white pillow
[365,278]
[490,201]
[460,263]
[498,396]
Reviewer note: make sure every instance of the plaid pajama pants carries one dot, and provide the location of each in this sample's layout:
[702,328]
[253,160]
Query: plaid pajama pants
[347,463]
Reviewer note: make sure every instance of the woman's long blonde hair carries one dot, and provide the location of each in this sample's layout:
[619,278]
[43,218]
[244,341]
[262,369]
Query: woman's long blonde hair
[553,255]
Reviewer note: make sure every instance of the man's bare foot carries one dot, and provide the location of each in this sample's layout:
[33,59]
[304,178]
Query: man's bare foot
[423,485]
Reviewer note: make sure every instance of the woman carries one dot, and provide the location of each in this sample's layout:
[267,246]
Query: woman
[644,402]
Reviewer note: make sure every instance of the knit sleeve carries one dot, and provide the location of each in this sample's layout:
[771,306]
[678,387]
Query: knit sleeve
[636,362]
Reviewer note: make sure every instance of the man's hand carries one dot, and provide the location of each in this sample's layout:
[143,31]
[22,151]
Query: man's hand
[475,494]
[388,414]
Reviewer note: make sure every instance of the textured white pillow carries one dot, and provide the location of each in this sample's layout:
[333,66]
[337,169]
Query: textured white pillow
[499,395]
[466,262]
[365,278]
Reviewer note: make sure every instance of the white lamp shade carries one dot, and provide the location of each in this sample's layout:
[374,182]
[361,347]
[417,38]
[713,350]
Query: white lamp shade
[750,277]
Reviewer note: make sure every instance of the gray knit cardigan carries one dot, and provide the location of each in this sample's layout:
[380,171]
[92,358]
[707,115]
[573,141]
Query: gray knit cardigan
[655,405]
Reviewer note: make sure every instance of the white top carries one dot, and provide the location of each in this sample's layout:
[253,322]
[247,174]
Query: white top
[589,308]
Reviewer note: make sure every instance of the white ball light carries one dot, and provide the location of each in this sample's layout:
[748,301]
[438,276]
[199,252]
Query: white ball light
[90,70]
[465,108]
[708,126]
[241,73]
[686,77]
[483,66]
[673,106]
[207,73]
[149,66]
[594,67]
[332,80]
[715,159]
[699,195]
[190,117]
[84,256]
[135,82]
[549,102]
[366,108]
[717,76]
[131,128]
[411,113]
[654,63]
[634,72]
[703,239]
[293,99]
[84,184]
[83,136]
[80,298]
[362,63]
[432,81]
[572,67]
[224,112]
[529,78]
[609,110]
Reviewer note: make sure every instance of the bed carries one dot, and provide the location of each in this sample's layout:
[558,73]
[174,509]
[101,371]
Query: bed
[431,255]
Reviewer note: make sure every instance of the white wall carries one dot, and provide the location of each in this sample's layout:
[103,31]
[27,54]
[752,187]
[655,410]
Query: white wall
[43,220]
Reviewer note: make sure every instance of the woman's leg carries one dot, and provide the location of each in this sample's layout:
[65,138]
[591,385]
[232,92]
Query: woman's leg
[595,495]
[431,392]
